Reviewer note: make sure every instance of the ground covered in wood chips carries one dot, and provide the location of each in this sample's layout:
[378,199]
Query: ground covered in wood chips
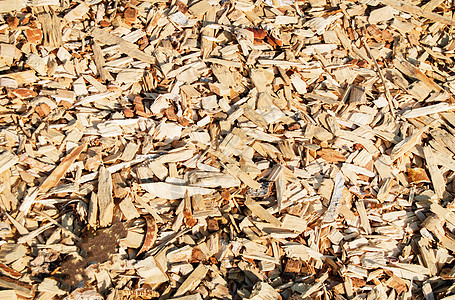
[216,149]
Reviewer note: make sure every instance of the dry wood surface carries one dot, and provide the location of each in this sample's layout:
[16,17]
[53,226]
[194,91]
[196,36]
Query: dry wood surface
[227,149]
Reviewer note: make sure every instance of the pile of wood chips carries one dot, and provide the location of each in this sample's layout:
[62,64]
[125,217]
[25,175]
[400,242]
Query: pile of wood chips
[241,149]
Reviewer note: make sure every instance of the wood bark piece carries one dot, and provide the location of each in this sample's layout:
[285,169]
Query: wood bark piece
[105,199]
[150,235]
[21,289]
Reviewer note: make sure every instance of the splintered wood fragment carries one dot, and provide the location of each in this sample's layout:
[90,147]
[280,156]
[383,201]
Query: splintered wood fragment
[150,235]
[435,174]
[427,291]
[385,188]
[397,284]
[207,32]
[5,270]
[148,208]
[331,155]
[60,171]
[244,177]
[417,175]
[383,166]
[200,8]
[407,144]
[29,237]
[119,185]
[221,156]
[415,10]
[381,76]
[229,63]
[105,199]
[51,29]
[77,13]
[427,110]
[253,116]
[363,216]
[125,47]
[43,2]
[412,71]
[192,281]
[130,151]
[112,169]
[264,291]
[261,212]
[128,209]
[92,214]
[332,211]
[98,85]
[409,274]
[173,191]
[231,141]
[99,62]
[7,160]
[69,232]
[430,6]
[188,297]
[8,294]
[444,213]
[428,255]
[316,287]
[20,228]
[11,5]
[280,185]
[23,77]
[22,289]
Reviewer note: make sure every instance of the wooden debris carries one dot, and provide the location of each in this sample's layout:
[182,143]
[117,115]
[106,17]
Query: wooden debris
[216,150]
[62,168]
[150,236]
[20,288]
[192,280]
[105,201]
[263,291]
[123,46]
